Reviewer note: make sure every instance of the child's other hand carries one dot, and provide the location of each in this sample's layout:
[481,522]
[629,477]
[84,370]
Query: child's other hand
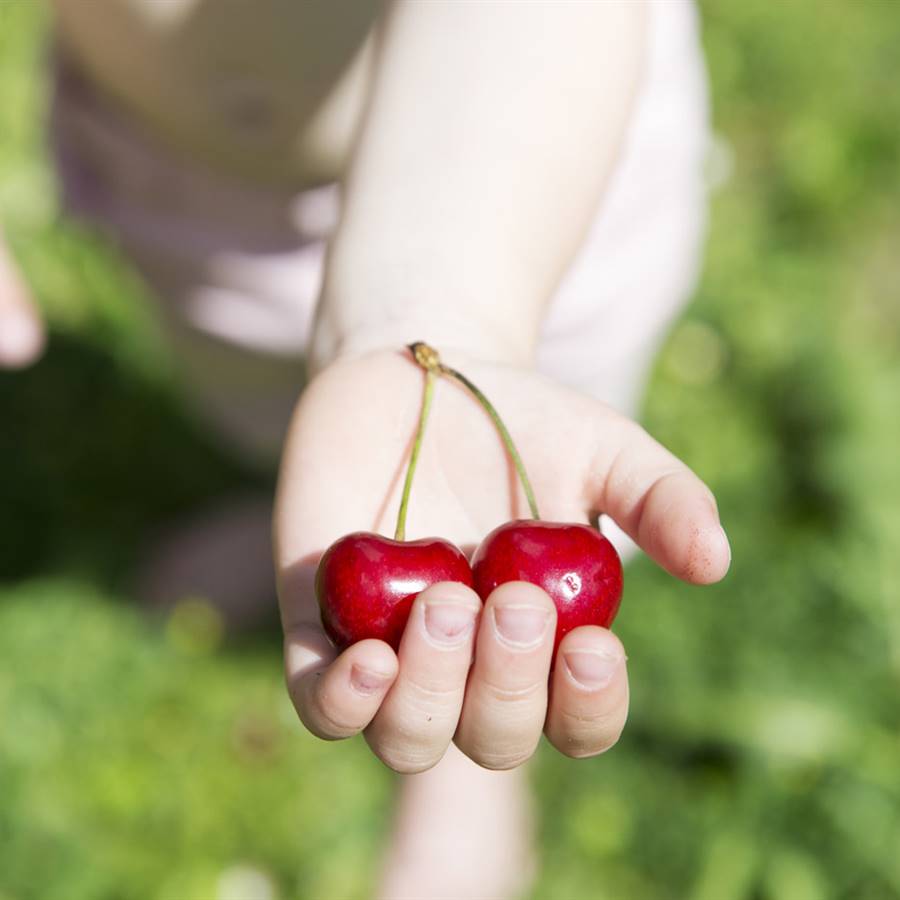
[463,673]
[21,334]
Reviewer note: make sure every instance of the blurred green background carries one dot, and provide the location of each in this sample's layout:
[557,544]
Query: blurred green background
[152,758]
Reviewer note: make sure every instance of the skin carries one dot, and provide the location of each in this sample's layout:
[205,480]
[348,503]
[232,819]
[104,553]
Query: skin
[350,433]
[484,122]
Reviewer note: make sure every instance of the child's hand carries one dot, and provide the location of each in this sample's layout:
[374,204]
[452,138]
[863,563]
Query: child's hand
[21,335]
[342,470]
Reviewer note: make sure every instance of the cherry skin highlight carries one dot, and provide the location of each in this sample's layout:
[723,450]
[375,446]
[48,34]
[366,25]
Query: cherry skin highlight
[575,564]
[366,583]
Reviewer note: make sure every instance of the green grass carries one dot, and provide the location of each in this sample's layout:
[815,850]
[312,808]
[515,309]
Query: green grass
[145,758]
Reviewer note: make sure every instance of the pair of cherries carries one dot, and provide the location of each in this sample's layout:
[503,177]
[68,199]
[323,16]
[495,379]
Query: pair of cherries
[366,583]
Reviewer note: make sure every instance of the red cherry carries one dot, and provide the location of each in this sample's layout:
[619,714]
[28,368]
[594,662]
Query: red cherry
[574,564]
[366,583]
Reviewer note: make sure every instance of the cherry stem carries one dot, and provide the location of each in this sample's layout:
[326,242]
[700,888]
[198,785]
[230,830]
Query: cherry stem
[429,359]
[400,531]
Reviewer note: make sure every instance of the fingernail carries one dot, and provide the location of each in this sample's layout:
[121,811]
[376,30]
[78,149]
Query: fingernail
[449,623]
[724,538]
[592,669]
[20,340]
[521,626]
[365,681]
[721,535]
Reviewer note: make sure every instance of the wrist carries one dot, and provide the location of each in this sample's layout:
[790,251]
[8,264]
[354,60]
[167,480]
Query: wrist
[388,286]
[336,336]
[494,322]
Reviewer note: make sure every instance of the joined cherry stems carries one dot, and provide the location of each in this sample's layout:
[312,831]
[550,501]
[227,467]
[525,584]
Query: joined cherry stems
[430,360]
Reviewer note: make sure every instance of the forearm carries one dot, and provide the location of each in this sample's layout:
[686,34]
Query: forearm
[491,131]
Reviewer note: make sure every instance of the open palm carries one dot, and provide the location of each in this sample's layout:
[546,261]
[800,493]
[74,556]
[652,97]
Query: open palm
[342,471]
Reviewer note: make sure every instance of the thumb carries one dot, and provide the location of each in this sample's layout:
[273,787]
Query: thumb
[21,332]
[659,502]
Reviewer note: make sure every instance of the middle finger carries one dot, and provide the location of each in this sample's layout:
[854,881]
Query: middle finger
[506,700]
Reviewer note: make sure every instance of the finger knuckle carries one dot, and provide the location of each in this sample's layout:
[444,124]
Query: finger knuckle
[412,738]
[510,694]
[501,760]
[324,718]
[575,749]
[407,759]
[424,712]
[580,735]
[426,692]
[497,745]
[330,727]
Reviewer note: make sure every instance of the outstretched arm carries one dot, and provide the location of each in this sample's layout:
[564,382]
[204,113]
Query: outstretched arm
[491,131]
